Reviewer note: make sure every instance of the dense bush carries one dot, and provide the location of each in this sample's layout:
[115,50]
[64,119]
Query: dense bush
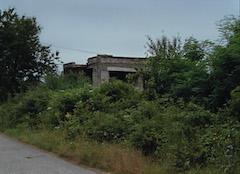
[61,82]
[183,133]
[186,134]
[193,121]
[26,109]
[64,102]
[235,103]
[107,127]
[149,137]
[221,144]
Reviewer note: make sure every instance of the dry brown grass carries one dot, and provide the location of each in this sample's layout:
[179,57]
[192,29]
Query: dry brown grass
[112,158]
[121,160]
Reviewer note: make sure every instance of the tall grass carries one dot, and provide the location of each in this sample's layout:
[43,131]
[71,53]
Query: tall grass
[112,158]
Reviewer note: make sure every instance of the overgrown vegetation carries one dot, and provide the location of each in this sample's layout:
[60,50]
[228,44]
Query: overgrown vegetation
[181,134]
[186,120]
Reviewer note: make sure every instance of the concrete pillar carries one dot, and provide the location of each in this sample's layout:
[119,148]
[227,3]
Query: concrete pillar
[99,75]
[96,76]
[139,84]
[104,76]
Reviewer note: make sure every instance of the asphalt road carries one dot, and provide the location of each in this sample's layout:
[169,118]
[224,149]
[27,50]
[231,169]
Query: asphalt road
[19,158]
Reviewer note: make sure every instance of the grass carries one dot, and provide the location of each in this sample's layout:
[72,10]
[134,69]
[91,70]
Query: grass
[111,158]
[108,157]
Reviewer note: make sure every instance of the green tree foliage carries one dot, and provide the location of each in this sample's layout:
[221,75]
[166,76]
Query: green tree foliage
[175,70]
[235,103]
[229,27]
[195,70]
[164,48]
[226,63]
[193,49]
[23,60]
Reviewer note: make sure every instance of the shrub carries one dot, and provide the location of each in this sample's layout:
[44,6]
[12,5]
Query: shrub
[72,126]
[192,122]
[65,81]
[235,103]
[7,115]
[221,142]
[149,137]
[63,103]
[120,95]
[110,97]
[117,90]
[107,127]
[27,108]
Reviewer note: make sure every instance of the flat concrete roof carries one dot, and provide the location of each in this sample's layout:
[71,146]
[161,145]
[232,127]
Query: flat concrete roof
[115,57]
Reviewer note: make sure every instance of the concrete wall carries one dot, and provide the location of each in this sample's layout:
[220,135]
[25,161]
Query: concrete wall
[102,64]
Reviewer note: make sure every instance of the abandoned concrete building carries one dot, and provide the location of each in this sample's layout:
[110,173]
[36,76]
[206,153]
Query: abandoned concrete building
[102,68]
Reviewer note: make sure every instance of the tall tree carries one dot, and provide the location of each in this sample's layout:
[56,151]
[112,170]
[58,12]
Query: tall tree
[23,59]
[225,74]
[176,70]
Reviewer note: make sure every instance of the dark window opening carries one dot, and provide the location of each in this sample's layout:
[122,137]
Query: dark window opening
[119,75]
[88,73]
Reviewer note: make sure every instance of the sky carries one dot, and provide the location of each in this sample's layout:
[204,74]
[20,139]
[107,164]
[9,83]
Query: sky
[120,27]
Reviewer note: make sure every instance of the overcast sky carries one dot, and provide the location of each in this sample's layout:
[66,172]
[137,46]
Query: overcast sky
[119,27]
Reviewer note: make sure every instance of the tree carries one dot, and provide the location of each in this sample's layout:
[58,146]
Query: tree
[229,27]
[23,59]
[175,70]
[225,75]
[163,52]
[164,47]
[193,49]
